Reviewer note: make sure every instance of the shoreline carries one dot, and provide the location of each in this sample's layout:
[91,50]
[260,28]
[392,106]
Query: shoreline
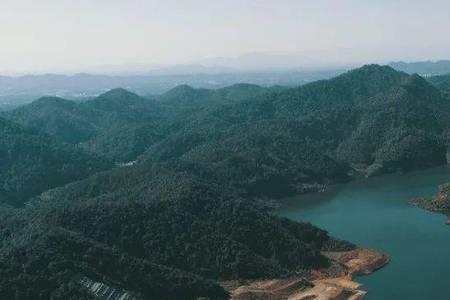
[438,203]
[333,283]
[358,176]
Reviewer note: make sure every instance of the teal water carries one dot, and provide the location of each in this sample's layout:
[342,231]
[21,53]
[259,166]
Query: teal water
[374,213]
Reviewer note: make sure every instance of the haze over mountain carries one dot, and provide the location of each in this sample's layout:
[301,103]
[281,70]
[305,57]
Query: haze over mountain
[60,37]
[252,62]
[424,68]
[16,91]
[261,68]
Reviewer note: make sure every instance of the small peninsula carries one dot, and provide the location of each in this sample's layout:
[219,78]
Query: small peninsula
[332,283]
[437,203]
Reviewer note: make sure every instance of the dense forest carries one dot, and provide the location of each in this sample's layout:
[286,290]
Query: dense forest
[118,125]
[159,232]
[441,82]
[32,162]
[293,140]
[194,206]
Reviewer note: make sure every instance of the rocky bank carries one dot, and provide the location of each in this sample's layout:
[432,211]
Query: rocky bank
[437,203]
[334,283]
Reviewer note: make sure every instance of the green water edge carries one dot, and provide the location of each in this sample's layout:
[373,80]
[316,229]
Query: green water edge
[374,213]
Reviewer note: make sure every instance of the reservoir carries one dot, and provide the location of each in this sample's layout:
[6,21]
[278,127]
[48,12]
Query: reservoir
[374,213]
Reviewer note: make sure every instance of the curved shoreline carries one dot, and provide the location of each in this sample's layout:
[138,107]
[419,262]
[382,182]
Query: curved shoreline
[438,203]
[333,283]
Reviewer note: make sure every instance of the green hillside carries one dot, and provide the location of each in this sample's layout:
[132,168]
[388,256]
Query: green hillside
[295,140]
[118,124]
[196,206]
[32,162]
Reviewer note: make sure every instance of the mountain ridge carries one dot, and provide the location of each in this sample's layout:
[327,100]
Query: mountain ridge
[195,204]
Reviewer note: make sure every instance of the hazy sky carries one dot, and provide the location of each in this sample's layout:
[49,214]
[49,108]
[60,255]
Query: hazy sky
[52,35]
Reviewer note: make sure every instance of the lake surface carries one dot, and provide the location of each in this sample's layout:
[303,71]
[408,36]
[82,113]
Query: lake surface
[374,213]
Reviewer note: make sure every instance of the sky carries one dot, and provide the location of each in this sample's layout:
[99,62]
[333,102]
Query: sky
[64,36]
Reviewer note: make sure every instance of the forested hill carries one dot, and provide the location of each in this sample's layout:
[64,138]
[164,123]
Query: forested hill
[118,124]
[373,119]
[193,209]
[158,231]
[121,125]
[31,162]
[266,141]
[442,82]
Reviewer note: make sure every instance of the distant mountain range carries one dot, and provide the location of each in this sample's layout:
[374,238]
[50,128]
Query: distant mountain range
[423,68]
[15,91]
[260,68]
